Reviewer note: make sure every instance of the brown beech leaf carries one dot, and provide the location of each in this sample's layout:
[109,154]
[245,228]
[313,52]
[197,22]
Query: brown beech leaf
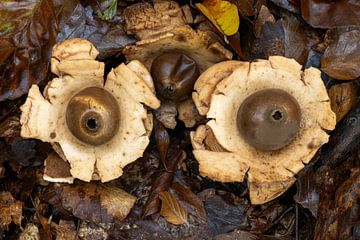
[341,59]
[290,5]
[171,209]
[78,21]
[162,141]
[343,98]
[163,181]
[286,37]
[28,31]
[331,14]
[188,196]
[93,202]
[263,17]
[224,212]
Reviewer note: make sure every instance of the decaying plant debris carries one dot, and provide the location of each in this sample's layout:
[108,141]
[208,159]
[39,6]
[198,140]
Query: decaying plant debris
[164,194]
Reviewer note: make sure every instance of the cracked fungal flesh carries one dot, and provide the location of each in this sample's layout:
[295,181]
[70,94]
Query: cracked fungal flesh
[238,99]
[97,127]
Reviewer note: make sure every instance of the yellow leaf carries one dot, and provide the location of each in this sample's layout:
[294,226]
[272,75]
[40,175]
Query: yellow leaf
[223,14]
[171,210]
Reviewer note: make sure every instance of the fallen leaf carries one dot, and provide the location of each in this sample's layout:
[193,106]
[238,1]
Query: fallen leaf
[28,31]
[263,17]
[189,197]
[93,202]
[78,21]
[171,210]
[343,140]
[163,181]
[331,14]
[223,215]
[343,98]
[341,59]
[162,141]
[286,37]
[166,114]
[11,210]
[306,193]
[288,5]
[223,14]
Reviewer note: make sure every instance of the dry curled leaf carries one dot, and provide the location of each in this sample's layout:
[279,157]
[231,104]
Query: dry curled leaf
[171,209]
[223,14]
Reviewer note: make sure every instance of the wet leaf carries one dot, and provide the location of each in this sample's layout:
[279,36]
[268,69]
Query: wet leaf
[11,210]
[189,197]
[344,140]
[331,14]
[263,17]
[171,210]
[290,5]
[27,33]
[341,59]
[343,98]
[223,14]
[93,202]
[286,37]
[78,21]
[162,182]
[307,194]
[223,215]
[162,141]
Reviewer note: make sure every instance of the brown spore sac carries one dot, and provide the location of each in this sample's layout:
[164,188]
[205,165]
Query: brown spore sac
[93,116]
[174,75]
[269,119]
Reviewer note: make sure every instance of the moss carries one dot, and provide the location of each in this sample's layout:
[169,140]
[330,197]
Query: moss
[6,26]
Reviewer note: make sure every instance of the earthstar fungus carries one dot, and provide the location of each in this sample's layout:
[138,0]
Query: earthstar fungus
[98,127]
[174,51]
[266,119]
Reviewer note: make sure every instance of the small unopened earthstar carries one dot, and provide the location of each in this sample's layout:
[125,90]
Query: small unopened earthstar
[174,52]
[97,126]
[266,119]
